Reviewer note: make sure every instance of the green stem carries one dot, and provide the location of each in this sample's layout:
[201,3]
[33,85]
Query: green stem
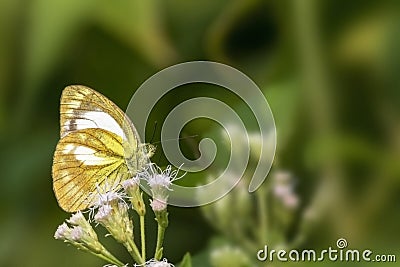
[104,254]
[142,236]
[160,240]
[262,211]
[107,256]
[134,251]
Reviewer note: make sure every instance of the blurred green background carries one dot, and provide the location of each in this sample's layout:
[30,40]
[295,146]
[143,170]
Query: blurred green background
[329,69]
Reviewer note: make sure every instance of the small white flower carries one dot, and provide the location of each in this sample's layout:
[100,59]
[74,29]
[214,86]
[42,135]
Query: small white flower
[62,232]
[159,264]
[77,219]
[283,189]
[133,182]
[77,233]
[114,217]
[155,263]
[155,176]
[101,199]
[104,194]
[103,213]
[108,197]
[159,180]
[291,201]
[158,205]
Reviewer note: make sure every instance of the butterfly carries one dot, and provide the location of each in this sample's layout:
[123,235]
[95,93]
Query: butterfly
[98,148]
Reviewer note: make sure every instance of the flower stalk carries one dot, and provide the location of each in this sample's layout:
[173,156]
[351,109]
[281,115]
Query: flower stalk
[143,235]
[132,189]
[82,236]
[162,222]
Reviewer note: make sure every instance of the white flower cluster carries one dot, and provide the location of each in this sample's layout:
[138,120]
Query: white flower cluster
[111,210]
[160,182]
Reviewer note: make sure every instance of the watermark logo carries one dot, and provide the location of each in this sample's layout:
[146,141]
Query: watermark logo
[338,254]
[341,243]
[153,89]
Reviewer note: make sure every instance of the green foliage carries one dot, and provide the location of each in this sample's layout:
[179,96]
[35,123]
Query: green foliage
[186,261]
[329,70]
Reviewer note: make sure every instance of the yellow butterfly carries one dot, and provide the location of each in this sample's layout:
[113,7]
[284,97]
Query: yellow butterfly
[99,148]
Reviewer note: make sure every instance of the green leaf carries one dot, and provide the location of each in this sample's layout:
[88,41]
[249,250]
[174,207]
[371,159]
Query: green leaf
[186,261]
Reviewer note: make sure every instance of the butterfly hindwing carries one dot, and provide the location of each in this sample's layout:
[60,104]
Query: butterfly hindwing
[84,161]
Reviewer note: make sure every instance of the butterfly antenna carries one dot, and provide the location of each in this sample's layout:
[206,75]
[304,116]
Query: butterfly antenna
[180,138]
[173,139]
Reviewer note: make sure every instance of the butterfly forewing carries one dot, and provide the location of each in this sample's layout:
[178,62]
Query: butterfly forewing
[97,141]
[82,108]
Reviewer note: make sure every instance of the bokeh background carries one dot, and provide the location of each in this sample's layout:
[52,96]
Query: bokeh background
[330,72]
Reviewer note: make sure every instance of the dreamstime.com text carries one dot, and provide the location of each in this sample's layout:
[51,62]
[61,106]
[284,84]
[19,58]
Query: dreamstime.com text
[340,253]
